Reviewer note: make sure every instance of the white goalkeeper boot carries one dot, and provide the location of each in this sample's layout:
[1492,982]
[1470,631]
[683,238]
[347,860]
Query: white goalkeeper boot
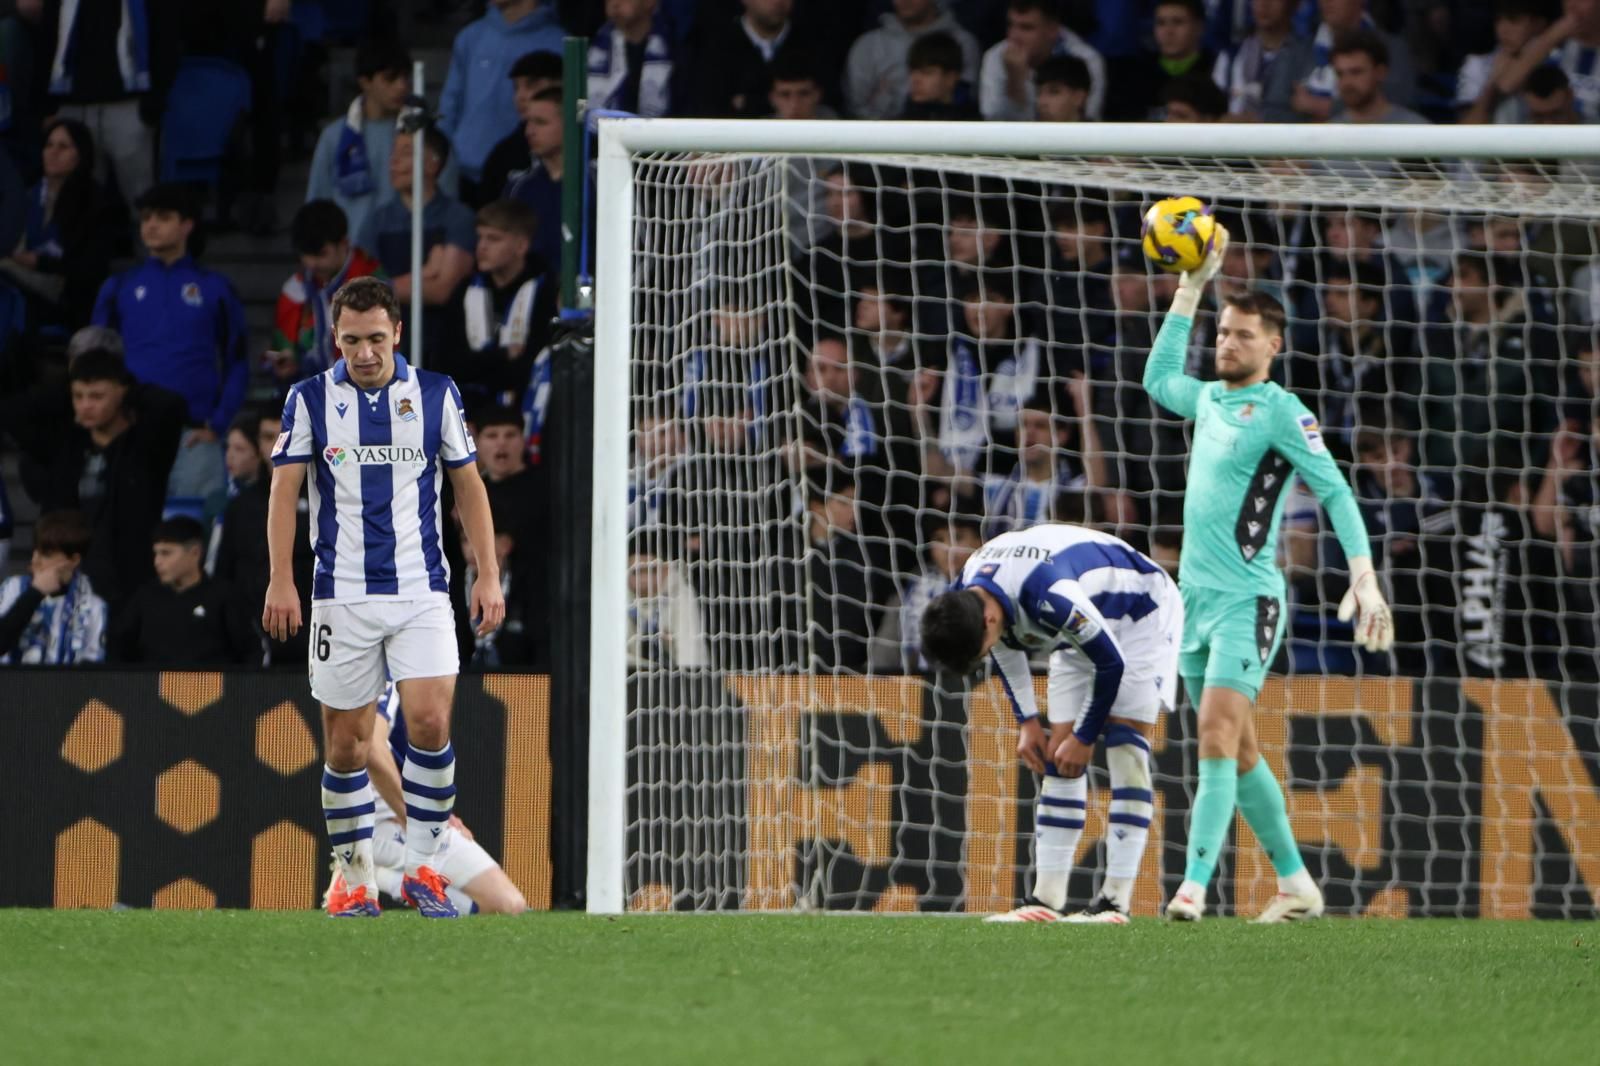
[1298,900]
[1030,911]
[1188,904]
[1103,911]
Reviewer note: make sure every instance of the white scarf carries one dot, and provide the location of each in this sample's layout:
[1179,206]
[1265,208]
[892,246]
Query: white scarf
[512,332]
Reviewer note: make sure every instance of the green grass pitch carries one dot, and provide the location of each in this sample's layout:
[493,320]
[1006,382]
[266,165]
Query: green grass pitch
[237,987]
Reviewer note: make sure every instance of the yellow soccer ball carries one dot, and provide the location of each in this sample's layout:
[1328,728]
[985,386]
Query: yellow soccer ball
[1178,232]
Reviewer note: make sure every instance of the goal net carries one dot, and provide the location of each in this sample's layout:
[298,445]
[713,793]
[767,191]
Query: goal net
[833,358]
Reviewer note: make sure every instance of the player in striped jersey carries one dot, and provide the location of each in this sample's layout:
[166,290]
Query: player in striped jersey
[1111,619]
[474,882]
[375,435]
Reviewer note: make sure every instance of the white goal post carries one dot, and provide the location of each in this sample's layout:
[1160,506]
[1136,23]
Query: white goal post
[1215,160]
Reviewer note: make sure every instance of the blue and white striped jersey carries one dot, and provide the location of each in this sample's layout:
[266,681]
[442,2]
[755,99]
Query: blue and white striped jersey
[1066,587]
[375,458]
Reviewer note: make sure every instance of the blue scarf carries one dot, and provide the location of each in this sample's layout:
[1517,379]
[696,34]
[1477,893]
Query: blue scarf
[352,169]
[860,434]
[43,235]
[608,71]
[133,47]
[535,404]
[66,628]
[964,412]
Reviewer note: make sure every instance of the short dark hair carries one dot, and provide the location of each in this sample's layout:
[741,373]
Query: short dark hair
[1510,9]
[434,140]
[1080,213]
[986,288]
[552,95]
[792,64]
[1064,70]
[317,224]
[1361,40]
[537,66]
[172,196]
[363,294]
[512,216]
[247,422]
[382,56]
[952,630]
[1048,8]
[98,364]
[1195,8]
[937,49]
[179,529]
[66,532]
[496,415]
[1198,91]
[1546,80]
[1258,302]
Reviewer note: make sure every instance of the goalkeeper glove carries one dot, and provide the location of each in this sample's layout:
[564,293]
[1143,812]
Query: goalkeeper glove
[1364,601]
[1192,282]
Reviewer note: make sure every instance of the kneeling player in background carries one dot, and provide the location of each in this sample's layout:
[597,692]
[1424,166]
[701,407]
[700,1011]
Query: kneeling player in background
[1112,620]
[473,880]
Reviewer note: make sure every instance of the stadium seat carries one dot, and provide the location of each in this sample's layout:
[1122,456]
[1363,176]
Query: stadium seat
[209,96]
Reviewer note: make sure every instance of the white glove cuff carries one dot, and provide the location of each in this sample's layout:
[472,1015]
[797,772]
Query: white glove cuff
[1187,300]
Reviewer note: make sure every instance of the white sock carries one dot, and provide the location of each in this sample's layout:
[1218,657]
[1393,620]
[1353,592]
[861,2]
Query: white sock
[429,783]
[347,808]
[1058,824]
[1132,805]
[389,882]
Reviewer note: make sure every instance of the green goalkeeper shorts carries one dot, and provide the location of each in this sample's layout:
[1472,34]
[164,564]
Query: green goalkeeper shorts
[1229,639]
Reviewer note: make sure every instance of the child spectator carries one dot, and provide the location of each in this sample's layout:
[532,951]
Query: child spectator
[877,73]
[51,615]
[184,618]
[532,75]
[935,88]
[1034,33]
[501,314]
[302,336]
[538,183]
[1479,98]
[1061,89]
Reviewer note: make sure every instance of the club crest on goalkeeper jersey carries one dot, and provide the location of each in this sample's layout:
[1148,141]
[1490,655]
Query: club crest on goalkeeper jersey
[1248,445]
[375,457]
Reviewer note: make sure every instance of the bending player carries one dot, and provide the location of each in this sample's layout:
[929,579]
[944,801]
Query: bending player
[1111,619]
[474,882]
[1250,439]
[377,435]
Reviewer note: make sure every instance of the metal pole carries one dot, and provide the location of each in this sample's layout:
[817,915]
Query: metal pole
[575,86]
[414,327]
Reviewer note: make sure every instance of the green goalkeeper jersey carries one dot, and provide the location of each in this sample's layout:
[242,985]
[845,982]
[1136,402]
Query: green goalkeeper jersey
[1248,445]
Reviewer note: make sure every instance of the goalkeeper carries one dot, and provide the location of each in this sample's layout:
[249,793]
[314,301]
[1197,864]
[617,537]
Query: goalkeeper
[1250,438]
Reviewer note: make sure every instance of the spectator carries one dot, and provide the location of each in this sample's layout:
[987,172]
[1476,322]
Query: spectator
[1034,33]
[65,252]
[1141,84]
[1054,457]
[538,183]
[734,69]
[795,91]
[113,468]
[1479,98]
[302,335]
[1571,42]
[1402,507]
[974,245]
[109,68]
[1075,285]
[518,500]
[1566,512]
[665,629]
[879,74]
[1249,66]
[892,355]
[1360,63]
[934,86]
[948,541]
[505,646]
[826,580]
[530,76]
[1304,86]
[631,62]
[240,559]
[1547,99]
[500,316]
[242,458]
[474,109]
[347,166]
[1061,88]
[51,614]
[184,329]
[1193,97]
[183,617]
[448,240]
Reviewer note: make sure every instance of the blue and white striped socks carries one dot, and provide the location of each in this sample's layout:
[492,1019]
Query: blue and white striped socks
[1132,805]
[429,783]
[347,808]
[1058,825]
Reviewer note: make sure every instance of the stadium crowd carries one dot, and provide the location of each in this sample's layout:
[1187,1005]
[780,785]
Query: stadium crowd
[971,350]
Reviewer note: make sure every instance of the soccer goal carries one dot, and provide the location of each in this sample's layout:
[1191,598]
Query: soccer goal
[832,357]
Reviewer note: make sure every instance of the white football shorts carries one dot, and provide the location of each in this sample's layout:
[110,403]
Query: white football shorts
[356,646]
[458,859]
[1150,674]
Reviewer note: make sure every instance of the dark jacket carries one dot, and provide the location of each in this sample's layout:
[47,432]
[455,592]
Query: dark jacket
[206,625]
[242,562]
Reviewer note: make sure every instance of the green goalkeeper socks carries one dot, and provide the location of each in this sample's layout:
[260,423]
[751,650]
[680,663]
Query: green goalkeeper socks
[1261,803]
[1211,817]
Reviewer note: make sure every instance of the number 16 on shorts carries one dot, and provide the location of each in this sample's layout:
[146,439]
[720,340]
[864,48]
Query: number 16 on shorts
[356,647]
